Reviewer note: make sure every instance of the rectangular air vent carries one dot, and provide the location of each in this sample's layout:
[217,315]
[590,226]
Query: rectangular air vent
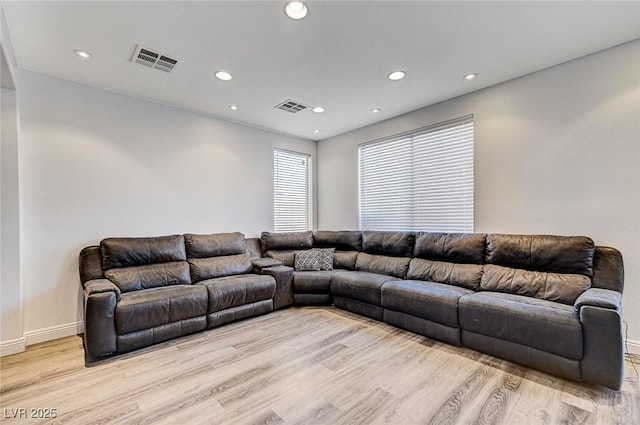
[153,59]
[291,106]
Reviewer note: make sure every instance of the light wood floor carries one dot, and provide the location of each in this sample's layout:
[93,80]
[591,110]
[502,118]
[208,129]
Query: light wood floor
[300,366]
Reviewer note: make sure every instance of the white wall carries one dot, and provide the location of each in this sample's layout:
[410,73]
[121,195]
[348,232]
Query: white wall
[556,152]
[11,325]
[10,304]
[96,164]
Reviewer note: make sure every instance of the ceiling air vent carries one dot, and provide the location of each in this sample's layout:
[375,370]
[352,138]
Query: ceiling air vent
[291,106]
[153,59]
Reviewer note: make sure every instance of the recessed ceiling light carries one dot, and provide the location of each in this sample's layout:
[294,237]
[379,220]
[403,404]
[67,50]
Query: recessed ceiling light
[376,110]
[296,10]
[223,75]
[316,131]
[82,53]
[318,109]
[233,107]
[470,76]
[397,75]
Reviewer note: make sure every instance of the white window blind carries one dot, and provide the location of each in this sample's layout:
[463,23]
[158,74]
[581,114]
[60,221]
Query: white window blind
[421,180]
[292,193]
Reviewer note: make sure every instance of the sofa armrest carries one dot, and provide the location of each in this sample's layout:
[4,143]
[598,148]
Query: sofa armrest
[100,299]
[603,351]
[99,286]
[598,297]
[284,285]
[263,263]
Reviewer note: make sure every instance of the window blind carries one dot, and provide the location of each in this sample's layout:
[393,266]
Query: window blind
[421,180]
[292,194]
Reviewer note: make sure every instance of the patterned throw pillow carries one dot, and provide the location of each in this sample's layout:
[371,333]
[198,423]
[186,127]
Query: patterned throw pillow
[325,257]
[314,259]
[307,260]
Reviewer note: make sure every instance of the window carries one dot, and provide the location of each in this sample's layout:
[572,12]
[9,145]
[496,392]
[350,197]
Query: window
[421,180]
[291,191]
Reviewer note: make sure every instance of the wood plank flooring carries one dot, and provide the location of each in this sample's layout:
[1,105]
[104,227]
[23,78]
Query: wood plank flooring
[299,366]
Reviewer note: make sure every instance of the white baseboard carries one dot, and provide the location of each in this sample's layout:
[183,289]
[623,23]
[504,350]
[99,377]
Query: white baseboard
[18,345]
[633,346]
[12,346]
[53,332]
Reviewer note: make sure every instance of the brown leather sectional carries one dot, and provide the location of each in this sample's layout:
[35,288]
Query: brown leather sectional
[548,302]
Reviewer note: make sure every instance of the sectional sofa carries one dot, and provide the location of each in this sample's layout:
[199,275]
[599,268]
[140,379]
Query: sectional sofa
[552,303]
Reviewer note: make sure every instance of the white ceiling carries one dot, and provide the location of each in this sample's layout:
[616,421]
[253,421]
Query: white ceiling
[337,57]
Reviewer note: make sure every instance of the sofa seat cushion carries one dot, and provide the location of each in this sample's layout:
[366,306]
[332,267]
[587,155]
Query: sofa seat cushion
[545,325]
[312,282]
[433,301]
[361,286]
[148,308]
[233,291]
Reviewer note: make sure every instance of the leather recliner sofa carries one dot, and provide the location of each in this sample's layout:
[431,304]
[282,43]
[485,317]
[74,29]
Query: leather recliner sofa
[548,302]
[140,291]
[552,303]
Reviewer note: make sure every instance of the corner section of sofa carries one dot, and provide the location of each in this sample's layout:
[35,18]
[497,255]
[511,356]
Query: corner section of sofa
[306,288]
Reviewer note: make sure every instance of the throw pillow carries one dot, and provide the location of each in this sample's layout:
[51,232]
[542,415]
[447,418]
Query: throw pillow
[307,260]
[325,257]
[314,259]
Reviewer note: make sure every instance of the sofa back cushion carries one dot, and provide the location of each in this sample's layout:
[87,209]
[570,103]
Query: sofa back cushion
[254,247]
[343,240]
[556,254]
[382,264]
[127,252]
[560,287]
[286,241]
[217,255]
[345,260]
[394,244]
[150,276]
[214,245]
[287,256]
[463,275]
[466,248]
[212,267]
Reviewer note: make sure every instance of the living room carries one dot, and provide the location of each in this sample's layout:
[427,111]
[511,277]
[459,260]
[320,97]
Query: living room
[556,146]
